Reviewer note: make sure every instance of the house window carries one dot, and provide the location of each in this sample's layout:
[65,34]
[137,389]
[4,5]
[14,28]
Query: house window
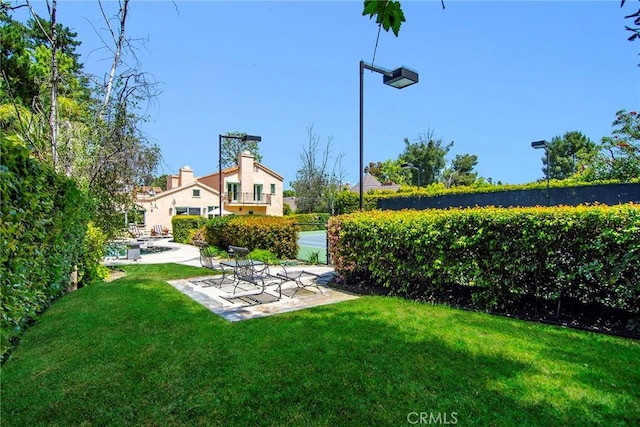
[196,193]
[233,190]
[273,189]
[257,192]
[186,210]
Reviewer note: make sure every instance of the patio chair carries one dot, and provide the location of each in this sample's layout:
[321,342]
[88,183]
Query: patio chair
[251,271]
[158,230]
[136,233]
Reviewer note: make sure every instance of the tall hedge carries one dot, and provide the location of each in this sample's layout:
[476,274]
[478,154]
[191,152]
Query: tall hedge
[42,237]
[183,225]
[276,234]
[590,254]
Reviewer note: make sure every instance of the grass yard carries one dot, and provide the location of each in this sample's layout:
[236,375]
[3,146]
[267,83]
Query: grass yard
[137,352]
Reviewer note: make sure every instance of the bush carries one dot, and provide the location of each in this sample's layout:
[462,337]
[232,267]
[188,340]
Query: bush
[42,235]
[586,254]
[183,225]
[91,267]
[276,234]
[311,221]
[265,256]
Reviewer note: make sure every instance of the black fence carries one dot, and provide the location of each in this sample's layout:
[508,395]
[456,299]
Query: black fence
[607,194]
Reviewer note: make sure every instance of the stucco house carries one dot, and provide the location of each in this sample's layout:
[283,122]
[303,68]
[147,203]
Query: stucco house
[249,188]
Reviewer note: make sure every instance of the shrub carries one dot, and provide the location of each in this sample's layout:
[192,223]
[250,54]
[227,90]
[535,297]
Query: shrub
[587,254]
[277,234]
[42,236]
[183,225]
[311,221]
[265,256]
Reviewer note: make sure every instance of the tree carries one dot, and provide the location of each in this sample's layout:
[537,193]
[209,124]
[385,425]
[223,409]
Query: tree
[388,13]
[619,155]
[94,138]
[428,154]
[316,185]
[461,171]
[564,154]
[389,171]
[232,147]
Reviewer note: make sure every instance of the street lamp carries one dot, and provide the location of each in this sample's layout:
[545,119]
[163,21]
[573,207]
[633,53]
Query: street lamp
[412,166]
[398,78]
[243,138]
[544,144]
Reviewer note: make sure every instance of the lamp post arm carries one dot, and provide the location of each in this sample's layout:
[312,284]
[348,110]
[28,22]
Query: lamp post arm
[364,65]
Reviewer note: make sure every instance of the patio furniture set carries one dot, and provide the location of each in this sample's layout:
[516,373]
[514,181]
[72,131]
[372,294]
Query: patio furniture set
[241,268]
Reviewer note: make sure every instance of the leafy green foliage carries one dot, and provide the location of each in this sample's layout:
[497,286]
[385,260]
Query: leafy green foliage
[42,236]
[461,171]
[388,13]
[589,254]
[347,201]
[427,153]
[265,256]
[232,147]
[276,234]
[619,155]
[566,153]
[184,226]
[311,222]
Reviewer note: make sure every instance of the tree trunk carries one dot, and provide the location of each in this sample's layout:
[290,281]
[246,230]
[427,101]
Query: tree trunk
[53,109]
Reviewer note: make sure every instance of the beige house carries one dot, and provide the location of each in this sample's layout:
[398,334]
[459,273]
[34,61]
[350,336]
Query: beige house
[249,188]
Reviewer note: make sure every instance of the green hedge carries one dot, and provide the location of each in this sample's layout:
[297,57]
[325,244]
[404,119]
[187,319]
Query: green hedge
[43,224]
[589,254]
[349,202]
[275,234]
[311,221]
[184,225]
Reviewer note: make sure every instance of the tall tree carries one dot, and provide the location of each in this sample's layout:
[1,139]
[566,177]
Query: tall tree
[564,154]
[232,147]
[461,171]
[618,157]
[317,183]
[389,171]
[428,154]
[97,143]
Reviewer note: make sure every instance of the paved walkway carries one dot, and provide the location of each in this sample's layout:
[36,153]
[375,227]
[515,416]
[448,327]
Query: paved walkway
[245,303]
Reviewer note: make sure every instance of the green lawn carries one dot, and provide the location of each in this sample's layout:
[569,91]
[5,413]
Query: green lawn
[136,351]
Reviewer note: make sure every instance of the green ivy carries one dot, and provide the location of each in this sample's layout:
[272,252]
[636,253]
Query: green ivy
[42,234]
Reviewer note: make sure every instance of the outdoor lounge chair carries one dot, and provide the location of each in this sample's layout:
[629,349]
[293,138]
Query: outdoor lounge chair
[158,231]
[136,233]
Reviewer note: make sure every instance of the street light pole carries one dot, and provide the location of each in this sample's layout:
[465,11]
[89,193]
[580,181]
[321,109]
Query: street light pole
[398,78]
[243,138]
[544,144]
[414,167]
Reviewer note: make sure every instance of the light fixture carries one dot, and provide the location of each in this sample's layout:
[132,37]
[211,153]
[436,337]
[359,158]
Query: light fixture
[412,166]
[398,78]
[545,145]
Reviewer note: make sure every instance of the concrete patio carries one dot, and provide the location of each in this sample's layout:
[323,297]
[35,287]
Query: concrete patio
[248,303]
[244,304]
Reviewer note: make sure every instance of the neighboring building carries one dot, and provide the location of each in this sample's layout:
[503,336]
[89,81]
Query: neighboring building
[371,183]
[251,188]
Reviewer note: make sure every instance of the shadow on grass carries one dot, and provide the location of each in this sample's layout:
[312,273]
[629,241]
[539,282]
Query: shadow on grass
[136,351]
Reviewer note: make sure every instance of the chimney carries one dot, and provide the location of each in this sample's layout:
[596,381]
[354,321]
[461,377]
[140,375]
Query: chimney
[172,181]
[186,176]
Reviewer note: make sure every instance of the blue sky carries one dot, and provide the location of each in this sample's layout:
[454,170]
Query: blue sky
[494,76]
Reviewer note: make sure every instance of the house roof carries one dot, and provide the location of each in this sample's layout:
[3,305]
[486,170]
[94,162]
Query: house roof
[176,190]
[236,168]
[369,182]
